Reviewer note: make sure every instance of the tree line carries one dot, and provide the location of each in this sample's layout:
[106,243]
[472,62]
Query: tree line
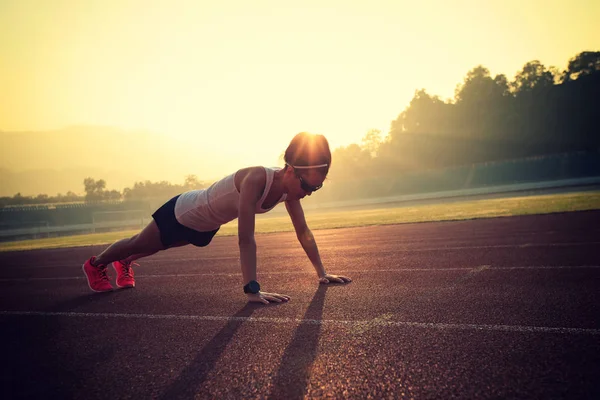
[95,190]
[541,111]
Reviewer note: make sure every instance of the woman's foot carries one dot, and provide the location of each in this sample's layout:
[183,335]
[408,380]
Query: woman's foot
[97,276]
[124,274]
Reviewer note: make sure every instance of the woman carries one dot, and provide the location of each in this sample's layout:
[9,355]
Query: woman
[194,217]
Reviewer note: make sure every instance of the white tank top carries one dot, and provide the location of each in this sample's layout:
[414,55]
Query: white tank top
[207,209]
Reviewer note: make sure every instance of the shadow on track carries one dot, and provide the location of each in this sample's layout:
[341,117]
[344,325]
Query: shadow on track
[194,375]
[35,361]
[71,305]
[291,381]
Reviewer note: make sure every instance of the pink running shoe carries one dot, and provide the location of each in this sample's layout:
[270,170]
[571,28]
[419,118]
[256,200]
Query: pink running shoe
[97,277]
[124,274]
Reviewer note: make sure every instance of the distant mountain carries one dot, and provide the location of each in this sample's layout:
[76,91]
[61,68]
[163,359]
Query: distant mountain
[52,162]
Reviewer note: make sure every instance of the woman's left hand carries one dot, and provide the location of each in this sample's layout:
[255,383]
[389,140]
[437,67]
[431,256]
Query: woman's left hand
[329,278]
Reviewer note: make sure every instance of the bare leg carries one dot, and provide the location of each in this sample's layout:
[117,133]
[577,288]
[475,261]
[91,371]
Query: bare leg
[134,257]
[146,242]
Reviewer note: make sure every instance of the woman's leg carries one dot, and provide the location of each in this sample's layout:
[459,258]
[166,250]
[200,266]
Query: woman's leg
[134,257]
[144,243]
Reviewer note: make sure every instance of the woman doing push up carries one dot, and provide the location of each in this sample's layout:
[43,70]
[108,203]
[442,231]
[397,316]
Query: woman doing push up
[194,217]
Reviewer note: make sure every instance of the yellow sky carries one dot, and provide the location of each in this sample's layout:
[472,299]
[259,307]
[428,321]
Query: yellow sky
[242,77]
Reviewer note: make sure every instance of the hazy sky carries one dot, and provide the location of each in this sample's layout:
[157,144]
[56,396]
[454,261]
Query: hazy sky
[245,76]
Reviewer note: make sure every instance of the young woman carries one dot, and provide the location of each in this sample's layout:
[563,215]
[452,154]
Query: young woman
[194,217]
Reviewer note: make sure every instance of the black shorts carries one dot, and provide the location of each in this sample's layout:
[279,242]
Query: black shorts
[171,231]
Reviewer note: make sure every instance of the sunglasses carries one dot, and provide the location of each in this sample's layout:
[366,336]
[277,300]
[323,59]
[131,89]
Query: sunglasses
[305,186]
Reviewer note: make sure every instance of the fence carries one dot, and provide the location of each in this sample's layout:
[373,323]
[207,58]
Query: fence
[523,174]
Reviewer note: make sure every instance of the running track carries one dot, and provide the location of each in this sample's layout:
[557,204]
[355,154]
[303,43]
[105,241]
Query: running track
[491,308]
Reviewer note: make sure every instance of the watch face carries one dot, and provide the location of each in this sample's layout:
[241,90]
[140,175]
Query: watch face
[254,287]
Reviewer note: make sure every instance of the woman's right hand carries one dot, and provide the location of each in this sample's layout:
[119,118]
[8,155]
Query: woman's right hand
[266,298]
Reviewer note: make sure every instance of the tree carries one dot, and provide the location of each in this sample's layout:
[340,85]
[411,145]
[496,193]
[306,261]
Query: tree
[350,162]
[149,190]
[425,114]
[533,76]
[94,190]
[481,103]
[191,182]
[584,63]
[371,141]
[476,86]
[111,195]
[89,185]
[100,185]
[502,83]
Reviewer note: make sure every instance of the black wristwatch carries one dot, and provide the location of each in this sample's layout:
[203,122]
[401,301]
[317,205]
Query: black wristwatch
[252,287]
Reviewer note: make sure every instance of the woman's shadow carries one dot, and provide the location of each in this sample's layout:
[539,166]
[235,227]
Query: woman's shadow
[294,372]
[194,375]
[291,381]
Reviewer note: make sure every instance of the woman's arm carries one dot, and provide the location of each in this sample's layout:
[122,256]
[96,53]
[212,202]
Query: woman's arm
[251,189]
[307,240]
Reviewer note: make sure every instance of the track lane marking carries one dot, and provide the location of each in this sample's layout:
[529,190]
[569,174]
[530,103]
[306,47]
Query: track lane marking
[472,270]
[375,322]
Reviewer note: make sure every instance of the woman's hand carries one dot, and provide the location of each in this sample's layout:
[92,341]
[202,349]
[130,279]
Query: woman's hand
[329,278]
[266,298]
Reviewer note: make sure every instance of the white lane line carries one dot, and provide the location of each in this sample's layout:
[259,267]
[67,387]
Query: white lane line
[479,269]
[363,323]
[472,270]
[462,279]
[504,246]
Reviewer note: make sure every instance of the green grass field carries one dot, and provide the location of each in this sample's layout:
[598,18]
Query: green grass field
[377,215]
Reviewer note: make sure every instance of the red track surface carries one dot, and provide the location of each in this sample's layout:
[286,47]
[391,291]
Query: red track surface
[496,308]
